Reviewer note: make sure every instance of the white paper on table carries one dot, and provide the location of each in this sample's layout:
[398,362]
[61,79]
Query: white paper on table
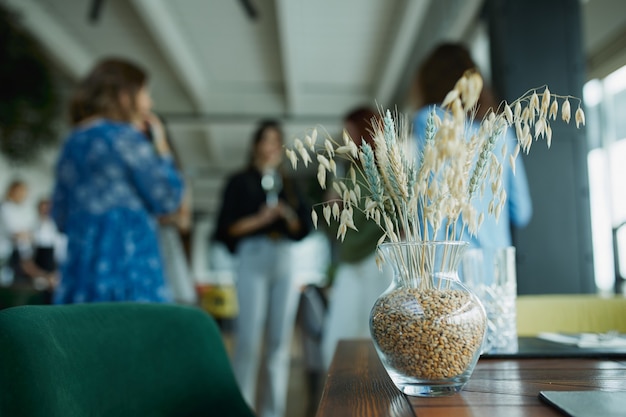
[587,340]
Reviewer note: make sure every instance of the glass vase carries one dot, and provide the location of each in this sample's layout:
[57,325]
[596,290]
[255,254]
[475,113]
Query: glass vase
[490,273]
[427,327]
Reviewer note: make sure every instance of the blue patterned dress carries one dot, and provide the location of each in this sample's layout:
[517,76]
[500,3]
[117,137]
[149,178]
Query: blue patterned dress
[110,184]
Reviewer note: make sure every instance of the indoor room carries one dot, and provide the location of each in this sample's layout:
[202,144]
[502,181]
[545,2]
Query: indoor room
[297,208]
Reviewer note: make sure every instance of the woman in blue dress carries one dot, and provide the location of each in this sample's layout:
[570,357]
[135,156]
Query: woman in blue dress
[111,183]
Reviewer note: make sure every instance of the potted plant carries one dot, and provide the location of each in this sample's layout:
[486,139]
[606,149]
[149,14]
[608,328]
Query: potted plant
[30,102]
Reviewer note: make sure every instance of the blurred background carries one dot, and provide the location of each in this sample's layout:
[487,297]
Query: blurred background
[218,66]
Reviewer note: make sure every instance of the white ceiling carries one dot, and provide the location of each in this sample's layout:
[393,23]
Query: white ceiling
[215,70]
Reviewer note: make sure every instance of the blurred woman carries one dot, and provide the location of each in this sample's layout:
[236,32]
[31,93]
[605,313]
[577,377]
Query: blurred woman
[49,245]
[17,224]
[174,227]
[110,185]
[358,280]
[262,211]
[437,75]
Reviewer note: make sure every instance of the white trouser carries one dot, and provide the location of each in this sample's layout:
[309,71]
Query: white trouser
[268,300]
[354,291]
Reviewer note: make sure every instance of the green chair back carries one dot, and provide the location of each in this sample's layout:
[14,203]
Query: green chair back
[114,359]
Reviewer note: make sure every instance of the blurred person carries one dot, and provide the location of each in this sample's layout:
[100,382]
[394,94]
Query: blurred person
[436,76]
[172,229]
[262,212]
[358,280]
[173,226]
[49,244]
[15,227]
[17,224]
[110,184]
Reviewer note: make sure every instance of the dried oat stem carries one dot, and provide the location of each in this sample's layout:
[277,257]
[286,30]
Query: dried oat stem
[416,197]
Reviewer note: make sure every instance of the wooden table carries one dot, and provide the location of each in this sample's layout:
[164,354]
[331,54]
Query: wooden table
[358,385]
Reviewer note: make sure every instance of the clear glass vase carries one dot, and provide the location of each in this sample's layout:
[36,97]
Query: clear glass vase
[427,327]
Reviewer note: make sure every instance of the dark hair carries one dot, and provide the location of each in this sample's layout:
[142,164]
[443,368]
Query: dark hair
[288,184]
[362,118]
[99,92]
[260,132]
[441,70]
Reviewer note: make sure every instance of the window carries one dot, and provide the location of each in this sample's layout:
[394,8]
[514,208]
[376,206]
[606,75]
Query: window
[605,103]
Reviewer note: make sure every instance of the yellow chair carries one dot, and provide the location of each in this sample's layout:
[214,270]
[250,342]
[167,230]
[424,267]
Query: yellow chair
[565,313]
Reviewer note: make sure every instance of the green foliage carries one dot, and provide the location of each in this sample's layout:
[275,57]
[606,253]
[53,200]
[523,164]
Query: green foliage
[29,104]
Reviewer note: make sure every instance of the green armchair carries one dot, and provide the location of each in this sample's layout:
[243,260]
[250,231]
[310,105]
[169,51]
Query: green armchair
[114,359]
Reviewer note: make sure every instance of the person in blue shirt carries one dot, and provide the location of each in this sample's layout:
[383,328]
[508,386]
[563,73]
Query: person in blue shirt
[435,78]
[111,183]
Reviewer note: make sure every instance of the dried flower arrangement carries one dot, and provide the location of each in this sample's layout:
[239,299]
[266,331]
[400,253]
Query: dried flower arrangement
[412,198]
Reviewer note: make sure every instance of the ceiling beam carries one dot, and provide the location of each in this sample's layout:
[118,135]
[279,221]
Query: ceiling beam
[213,150]
[607,57]
[55,39]
[287,29]
[411,18]
[168,36]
